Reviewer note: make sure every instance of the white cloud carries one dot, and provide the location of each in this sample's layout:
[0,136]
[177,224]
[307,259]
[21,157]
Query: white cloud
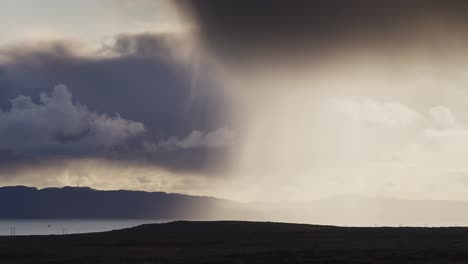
[57,123]
[456,138]
[218,138]
[442,117]
[389,114]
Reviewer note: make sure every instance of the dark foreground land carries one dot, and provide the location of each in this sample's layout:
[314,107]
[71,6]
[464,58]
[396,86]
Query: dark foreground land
[243,242]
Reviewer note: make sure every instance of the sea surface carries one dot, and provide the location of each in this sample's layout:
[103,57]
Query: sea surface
[23,227]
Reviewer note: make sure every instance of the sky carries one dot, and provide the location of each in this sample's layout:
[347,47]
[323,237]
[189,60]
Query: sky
[91,22]
[236,99]
[102,94]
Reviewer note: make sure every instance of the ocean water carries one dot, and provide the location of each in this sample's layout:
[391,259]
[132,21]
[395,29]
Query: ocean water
[22,227]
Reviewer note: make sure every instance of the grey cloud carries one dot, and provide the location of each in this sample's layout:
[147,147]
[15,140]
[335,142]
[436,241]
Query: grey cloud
[144,44]
[151,89]
[144,180]
[156,91]
[58,125]
[218,138]
[34,53]
[442,117]
[258,30]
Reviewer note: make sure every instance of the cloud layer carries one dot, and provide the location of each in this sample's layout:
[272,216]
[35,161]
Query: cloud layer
[57,125]
[218,138]
[260,30]
[138,89]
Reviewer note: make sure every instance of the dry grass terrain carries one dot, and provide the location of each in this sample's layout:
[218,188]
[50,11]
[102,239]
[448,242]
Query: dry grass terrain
[243,242]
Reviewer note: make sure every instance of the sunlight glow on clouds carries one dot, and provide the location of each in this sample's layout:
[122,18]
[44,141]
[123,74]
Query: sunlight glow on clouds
[90,21]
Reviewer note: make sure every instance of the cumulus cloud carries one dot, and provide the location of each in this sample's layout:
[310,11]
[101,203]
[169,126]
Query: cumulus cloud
[393,127]
[394,114]
[445,131]
[140,79]
[389,114]
[218,138]
[143,44]
[57,124]
[163,45]
[442,117]
[154,89]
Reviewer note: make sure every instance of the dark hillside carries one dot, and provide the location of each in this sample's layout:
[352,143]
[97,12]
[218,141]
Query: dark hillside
[243,242]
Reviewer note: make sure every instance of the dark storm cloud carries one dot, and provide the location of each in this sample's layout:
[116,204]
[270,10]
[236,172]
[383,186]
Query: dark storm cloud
[141,88]
[161,45]
[248,30]
[56,125]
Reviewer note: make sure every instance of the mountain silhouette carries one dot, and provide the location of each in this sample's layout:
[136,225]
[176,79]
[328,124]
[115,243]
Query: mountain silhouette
[82,202]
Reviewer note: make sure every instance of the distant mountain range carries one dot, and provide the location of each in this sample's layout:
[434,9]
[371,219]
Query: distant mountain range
[76,202]
[352,210]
